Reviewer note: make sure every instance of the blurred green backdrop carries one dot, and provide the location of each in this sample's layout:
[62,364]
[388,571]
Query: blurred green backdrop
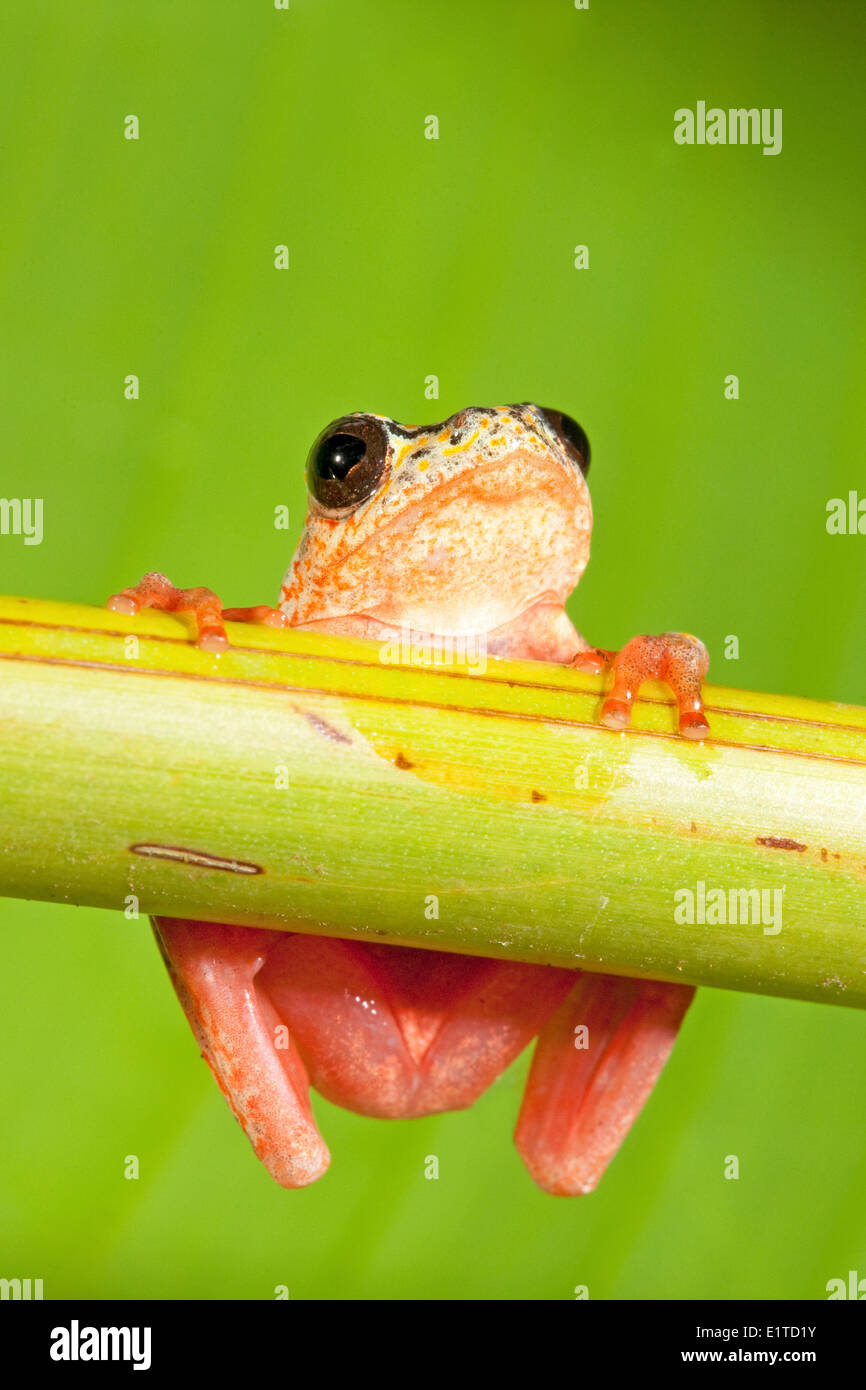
[411,257]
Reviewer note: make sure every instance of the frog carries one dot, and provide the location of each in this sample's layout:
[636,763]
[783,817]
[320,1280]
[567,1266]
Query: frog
[478,527]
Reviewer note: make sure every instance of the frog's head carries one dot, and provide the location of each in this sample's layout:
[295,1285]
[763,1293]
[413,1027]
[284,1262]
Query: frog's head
[448,528]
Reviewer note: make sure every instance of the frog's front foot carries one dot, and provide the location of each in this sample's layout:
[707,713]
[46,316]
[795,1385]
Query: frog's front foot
[155,591]
[676,658]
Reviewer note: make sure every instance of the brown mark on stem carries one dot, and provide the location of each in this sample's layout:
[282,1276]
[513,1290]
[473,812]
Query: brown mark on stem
[778,842]
[327,730]
[198,859]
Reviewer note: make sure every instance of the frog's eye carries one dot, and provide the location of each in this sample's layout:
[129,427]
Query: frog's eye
[572,435]
[346,463]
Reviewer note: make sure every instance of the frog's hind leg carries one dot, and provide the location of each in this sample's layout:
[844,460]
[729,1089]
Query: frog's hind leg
[214,969]
[396,1031]
[586,1088]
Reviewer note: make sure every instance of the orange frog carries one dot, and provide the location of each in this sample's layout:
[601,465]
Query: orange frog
[477,527]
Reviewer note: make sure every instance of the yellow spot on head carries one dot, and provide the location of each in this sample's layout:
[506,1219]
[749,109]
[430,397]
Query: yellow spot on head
[459,448]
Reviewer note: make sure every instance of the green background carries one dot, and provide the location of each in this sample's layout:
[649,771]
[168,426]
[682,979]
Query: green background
[412,257]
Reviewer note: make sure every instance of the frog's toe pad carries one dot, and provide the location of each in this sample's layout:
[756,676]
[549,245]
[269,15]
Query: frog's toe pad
[123,603]
[677,659]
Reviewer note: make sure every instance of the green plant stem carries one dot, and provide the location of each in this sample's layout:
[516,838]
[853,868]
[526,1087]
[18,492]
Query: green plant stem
[301,783]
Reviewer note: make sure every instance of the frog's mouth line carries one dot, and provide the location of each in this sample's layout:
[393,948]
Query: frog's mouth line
[515,476]
[381,629]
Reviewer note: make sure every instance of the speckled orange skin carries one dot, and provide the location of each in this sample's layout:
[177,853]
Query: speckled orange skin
[480,526]
[486,535]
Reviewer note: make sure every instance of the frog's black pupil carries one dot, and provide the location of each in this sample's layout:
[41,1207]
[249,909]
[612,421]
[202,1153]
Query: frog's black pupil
[575,435]
[337,454]
[571,433]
